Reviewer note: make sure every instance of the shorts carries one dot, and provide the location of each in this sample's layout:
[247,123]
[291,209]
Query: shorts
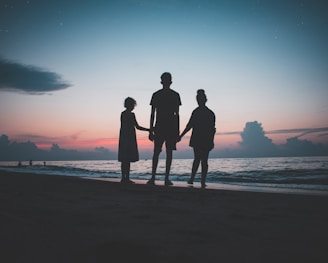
[169,139]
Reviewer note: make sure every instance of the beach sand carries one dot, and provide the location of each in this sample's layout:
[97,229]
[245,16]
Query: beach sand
[46,218]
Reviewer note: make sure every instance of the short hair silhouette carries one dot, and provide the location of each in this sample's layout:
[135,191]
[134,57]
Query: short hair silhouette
[129,102]
[166,77]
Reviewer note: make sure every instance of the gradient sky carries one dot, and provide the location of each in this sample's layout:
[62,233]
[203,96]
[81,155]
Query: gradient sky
[257,60]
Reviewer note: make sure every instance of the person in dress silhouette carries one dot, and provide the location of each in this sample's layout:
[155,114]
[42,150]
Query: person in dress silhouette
[165,105]
[128,147]
[202,123]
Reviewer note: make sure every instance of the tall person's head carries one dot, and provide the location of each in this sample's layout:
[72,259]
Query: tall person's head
[166,79]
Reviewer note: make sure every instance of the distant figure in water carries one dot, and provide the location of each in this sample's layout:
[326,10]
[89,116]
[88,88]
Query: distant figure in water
[19,164]
[202,123]
[31,163]
[165,105]
[128,148]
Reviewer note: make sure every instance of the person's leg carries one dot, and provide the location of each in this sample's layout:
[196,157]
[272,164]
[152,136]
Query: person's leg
[204,161]
[158,143]
[123,171]
[170,144]
[195,166]
[127,171]
[154,164]
[169,154]
[157,150]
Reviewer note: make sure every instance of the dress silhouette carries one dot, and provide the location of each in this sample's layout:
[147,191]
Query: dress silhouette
[127,146]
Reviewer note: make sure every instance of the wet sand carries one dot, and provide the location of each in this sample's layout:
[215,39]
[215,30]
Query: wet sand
[67,219]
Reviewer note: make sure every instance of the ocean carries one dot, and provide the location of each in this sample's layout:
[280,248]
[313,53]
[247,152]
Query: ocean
[285,174]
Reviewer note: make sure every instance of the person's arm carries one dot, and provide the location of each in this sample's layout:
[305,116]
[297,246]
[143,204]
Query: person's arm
[141,128]
[136,124]
[177,114]
[184,132]
[188,128]
[151,126]
[152,117]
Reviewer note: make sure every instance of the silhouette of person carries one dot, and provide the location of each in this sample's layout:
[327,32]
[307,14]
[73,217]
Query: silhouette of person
[128,148]
[165,110]
[202,123]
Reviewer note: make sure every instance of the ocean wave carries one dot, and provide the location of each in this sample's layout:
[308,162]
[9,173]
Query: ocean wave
[60,170]
[291,176]
[271,172]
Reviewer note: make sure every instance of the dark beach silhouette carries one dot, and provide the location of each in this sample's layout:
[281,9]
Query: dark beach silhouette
[202,123]
[165,113]
[128,147]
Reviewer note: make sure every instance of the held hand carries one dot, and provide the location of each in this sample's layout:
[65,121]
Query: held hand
[151,136]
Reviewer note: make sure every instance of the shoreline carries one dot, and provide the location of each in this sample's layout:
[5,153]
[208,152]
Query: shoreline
[46,218]
[210,185]
[227,187]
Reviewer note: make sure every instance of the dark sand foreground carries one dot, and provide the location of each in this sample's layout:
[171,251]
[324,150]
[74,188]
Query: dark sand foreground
[64,219]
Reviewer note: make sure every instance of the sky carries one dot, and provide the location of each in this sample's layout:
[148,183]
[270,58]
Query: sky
[67,66]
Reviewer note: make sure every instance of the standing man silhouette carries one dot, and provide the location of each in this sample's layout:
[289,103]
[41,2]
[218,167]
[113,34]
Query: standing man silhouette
[165,105]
